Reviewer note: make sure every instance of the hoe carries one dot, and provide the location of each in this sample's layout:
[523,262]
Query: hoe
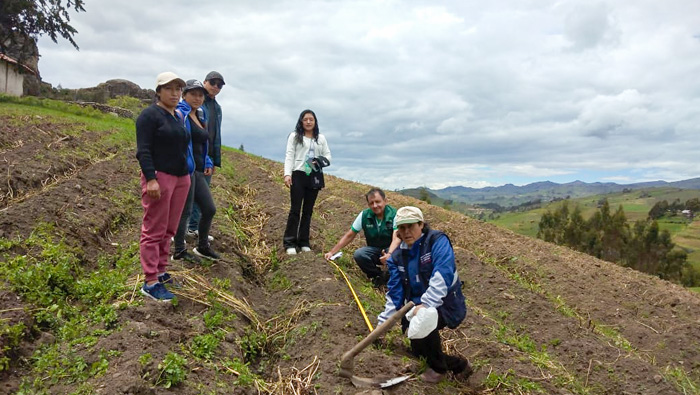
[347,362]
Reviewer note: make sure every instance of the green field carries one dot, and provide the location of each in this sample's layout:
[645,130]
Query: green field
[685,234]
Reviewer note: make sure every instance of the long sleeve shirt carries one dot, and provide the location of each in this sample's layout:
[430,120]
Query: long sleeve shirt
[162,143]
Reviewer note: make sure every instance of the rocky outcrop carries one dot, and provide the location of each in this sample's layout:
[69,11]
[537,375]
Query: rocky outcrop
[121,87]
[100,93]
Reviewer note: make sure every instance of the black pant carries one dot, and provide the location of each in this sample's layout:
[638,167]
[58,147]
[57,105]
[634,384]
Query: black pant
[367,259]
[303,198]
[430,348]
[200,194]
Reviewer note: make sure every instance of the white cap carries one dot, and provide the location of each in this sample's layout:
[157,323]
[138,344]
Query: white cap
[408,215]
[166,77]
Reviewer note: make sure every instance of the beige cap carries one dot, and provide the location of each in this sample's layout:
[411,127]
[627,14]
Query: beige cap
[408,215]
[166,77]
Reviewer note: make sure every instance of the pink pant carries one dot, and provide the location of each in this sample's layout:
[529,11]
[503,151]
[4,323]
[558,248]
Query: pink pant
[160,220]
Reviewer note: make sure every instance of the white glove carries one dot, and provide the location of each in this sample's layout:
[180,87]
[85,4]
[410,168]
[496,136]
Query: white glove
[422,323]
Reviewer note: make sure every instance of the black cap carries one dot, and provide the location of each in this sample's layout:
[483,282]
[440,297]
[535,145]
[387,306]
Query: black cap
[215,75]
[193,84]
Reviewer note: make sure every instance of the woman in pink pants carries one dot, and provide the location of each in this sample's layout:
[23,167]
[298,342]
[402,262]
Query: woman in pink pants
[162,144]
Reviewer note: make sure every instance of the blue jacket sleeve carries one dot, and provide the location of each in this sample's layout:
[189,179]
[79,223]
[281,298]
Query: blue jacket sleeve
[190,152]
[394,294]
[443,273]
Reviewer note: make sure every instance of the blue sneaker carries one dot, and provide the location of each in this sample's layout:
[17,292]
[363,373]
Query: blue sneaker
[157,292]
[167,279]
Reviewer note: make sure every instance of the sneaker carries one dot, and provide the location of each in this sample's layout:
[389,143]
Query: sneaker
[167,279]
[191,234]
[431,376]
[157,292]
[196,234]
[305,249]
[291,251]
[184,255]
[206,252]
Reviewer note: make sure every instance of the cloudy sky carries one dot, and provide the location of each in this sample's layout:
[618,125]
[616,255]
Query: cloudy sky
[425,93]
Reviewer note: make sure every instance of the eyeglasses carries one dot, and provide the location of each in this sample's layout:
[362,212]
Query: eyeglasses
[217,83]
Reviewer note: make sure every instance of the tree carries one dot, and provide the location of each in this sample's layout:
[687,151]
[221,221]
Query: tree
[658,210]
[23,21]
[693,205]
[424,195]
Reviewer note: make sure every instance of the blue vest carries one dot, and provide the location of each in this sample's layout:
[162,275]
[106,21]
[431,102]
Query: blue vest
[454,308]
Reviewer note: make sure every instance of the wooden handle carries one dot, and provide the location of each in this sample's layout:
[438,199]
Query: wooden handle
[347,362]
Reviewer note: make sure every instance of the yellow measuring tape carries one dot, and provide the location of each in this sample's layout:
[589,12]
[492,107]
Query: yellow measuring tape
[362,309]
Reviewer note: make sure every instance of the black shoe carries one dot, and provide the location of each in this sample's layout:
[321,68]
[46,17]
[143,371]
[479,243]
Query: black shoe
[380,280]
[463,371]
[206,252]
[184,255]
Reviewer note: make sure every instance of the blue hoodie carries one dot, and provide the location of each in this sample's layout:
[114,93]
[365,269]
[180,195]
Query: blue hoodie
[183,111]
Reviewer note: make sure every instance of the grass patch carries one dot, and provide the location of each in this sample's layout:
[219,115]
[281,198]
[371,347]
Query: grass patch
[508,382]
[71,298]
[681,380]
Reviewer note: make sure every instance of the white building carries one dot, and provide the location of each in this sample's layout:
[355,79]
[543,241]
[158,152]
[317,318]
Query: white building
[11,80]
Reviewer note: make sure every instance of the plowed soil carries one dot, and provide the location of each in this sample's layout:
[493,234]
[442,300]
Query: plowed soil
[542,318]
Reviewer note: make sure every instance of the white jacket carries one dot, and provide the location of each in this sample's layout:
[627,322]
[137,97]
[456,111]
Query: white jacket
[296,154]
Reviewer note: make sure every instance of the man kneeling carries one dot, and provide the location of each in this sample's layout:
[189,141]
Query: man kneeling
[377,222]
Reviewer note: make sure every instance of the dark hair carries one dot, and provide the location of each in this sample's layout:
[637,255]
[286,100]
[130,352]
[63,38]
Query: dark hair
[299,129]
[156,98]
[426,227]
[373,191]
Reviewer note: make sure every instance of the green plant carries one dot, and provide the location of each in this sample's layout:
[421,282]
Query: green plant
[244,377]
[222,283]
[99,367]
[279,282]
[681,380]
[253,344]
[145,359]
[510,382]
[173,370]
[217,316]
[105,314]
[204,346]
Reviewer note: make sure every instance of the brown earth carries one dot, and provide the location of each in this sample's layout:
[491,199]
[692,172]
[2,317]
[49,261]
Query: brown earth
[542,318]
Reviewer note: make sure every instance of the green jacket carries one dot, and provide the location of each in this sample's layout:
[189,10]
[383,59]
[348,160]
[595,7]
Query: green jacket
[378,237]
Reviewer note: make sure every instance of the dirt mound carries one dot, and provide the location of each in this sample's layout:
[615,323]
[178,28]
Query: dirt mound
[542,319]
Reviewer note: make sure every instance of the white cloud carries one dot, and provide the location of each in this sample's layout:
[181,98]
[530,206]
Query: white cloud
[425,93]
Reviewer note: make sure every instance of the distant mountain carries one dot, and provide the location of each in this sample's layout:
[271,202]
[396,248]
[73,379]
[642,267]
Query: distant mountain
[510,195]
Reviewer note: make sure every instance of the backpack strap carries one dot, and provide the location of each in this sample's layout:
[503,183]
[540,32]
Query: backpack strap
[426,247]
[403,254]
